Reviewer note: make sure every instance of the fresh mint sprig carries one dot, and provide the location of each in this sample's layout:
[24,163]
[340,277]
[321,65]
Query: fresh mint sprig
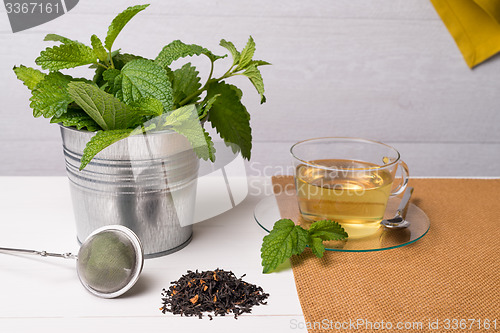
[129,91]
[287,239]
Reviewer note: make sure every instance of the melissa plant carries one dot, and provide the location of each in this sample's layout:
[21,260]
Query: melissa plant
[287,239]
[130,94]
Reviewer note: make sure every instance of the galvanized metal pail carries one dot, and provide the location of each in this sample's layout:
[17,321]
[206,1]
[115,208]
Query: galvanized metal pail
[144,182]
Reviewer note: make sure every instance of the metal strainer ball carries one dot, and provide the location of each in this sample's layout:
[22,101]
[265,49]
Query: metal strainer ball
[109,261]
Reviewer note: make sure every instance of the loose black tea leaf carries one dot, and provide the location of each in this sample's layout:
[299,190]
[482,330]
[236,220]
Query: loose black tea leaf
[219,292]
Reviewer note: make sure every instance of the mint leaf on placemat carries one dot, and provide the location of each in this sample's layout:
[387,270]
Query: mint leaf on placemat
[327,230]
[287,239]
[283,241]
[317,247]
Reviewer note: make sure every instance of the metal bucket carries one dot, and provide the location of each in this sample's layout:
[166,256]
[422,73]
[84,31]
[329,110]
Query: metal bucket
[144,182]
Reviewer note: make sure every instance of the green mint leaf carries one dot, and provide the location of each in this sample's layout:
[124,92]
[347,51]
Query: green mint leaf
[66,56]
[119,60]
[205,107]
[99,49]
[117,88]
[178,49]
[210,148]
[258,63]
[185,81]
[106,110]
[97,79]
[285,240]
[113,54]
[232,49]
[185,121]
[122,59]
[327,230]
[143,78]
[59,38]
[102,140]
[324,230]
[230,117]
[247,54]
[316,246]
[109,76]
[210,102]
[119,22]
[148,106]
[78,119]
[50,96]
[253,73]
[30,76]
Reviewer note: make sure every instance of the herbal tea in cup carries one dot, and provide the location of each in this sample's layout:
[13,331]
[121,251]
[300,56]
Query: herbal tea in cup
[348,180]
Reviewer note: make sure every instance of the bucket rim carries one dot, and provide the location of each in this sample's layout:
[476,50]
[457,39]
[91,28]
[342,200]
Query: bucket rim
[74,129]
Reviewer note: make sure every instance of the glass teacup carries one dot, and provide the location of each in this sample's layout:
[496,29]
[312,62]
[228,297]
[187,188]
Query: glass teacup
[348,180]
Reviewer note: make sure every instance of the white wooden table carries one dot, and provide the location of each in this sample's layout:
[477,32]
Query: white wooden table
[44,294]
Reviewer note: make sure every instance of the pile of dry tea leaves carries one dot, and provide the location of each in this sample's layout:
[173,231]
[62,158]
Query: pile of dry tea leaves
[219,292]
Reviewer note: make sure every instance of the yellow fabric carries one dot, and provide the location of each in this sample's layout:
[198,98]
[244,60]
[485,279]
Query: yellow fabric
[475,26]
[492,7]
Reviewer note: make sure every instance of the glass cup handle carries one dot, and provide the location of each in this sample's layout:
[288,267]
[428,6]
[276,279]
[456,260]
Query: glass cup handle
[404,180]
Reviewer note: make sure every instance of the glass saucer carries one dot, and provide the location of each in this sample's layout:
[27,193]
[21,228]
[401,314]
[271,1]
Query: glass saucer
[266,213]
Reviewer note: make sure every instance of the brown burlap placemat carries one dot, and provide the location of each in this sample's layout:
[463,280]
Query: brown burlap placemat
[452,273]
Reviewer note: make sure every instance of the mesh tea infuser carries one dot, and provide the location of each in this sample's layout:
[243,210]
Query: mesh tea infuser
[109,261]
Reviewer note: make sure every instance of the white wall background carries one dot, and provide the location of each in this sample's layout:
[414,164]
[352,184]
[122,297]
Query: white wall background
[381,69]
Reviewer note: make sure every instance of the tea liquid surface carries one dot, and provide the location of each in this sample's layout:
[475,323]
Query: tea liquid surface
[353,193]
